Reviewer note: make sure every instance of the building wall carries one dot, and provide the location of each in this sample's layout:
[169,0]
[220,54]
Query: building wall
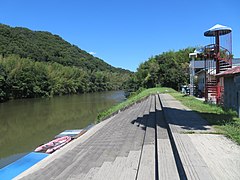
[231,89]
[200,80]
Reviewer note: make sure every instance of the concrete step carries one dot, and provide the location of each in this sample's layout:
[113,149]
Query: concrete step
[131,166]
[147,163]
[122,168]
[77,165]
[143,120]
[146,168]
[53,169]
[116,139]
[193,164]
[116,169]
[91,173]
[189,162]
[133,139]
[103,171]
[167,168]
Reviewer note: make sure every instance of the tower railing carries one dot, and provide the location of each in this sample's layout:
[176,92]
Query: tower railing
[217,59]
[216,52]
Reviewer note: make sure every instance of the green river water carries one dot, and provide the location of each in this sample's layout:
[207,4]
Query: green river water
[25,124]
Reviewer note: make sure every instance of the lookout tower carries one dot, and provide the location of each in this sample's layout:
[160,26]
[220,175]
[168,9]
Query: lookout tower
[218,58]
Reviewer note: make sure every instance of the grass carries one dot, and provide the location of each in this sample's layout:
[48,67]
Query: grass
[225,121]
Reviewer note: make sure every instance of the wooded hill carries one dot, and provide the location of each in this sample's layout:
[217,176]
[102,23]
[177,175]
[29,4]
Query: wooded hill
[37,63]
[46,47]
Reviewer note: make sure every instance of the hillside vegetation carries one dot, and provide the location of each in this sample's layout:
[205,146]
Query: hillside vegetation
[37,64]
[46,47]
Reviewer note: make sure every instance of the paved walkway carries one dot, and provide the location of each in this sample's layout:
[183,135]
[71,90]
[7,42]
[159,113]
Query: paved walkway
[146,141]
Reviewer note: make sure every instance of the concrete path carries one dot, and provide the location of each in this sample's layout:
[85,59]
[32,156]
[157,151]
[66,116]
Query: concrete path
[201,155]
[145,141]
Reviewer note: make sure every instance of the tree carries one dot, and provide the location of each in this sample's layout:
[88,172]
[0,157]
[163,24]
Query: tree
[4,91]
[169,69]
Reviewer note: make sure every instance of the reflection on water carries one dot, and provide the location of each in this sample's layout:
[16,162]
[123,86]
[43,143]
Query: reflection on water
[24,124]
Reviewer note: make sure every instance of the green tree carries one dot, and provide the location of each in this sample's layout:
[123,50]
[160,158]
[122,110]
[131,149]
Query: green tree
[169,69]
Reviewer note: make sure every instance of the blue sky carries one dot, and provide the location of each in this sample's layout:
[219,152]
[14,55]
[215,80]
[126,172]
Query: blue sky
[125,33]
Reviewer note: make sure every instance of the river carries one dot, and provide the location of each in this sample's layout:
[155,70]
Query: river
[27,123]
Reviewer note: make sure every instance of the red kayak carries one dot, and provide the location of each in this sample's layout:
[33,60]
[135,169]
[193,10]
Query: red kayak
[53,145]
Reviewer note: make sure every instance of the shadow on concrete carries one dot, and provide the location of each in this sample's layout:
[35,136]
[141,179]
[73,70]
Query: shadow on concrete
[218,119]
[185,120]
[194,120]
[147,121]
[153,120]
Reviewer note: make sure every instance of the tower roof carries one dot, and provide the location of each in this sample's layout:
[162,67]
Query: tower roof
[220,28]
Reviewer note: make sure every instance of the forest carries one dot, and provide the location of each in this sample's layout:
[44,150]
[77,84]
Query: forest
[40,64]
[24,78]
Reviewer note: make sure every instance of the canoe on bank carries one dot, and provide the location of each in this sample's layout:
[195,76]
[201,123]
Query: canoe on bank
[53,145]
[73,133]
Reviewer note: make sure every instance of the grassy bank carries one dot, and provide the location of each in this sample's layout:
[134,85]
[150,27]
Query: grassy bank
[131,100]
[224,121]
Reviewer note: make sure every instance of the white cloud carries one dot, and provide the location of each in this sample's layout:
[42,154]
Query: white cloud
[92,53]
